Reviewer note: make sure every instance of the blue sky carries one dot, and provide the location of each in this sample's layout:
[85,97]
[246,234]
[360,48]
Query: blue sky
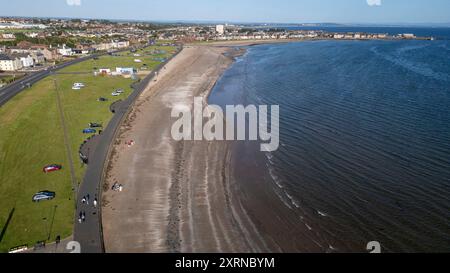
[282,11]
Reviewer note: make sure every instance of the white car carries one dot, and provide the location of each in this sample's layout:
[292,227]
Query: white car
[115,94]
[77,86]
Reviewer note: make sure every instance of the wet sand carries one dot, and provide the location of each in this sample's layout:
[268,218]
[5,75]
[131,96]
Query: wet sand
[177,196]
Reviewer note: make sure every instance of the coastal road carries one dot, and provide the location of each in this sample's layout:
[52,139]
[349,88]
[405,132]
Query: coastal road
[11,90]
[89,233]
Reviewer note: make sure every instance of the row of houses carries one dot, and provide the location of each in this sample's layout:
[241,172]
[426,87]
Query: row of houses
[112,45]
[86,49]
[17,61]
[7,36]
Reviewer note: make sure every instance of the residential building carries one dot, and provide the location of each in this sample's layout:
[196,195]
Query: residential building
[25,58]
[38,57]
[65,51]
[220,29]
[408,36]
[9,63]
[8,36]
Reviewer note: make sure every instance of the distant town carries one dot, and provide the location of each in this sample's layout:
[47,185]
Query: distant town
[30,45]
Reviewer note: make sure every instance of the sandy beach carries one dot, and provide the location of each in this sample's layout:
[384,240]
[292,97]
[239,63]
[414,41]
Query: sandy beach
[176,195]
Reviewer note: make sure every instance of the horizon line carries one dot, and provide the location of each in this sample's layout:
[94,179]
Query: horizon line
[206,21]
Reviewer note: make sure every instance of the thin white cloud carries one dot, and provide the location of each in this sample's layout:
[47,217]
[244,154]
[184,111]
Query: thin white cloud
[373,3]
[73,2]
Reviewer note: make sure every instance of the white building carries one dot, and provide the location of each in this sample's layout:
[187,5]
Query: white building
[8,36]
[124,70]
[65,51]
[31,34]
[112,45]
[408,36]
[8,63]
[26,59]
[220,29]
[121,44]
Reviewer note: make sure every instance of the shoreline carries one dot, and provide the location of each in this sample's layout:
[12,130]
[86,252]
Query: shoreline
[193,196]
[177,195]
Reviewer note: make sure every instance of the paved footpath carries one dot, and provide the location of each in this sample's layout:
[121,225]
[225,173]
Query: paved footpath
[89,233]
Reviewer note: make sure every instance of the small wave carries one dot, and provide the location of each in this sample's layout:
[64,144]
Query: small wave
[332,249]
[322,214]
[269,157]
[293,200]
[412,47]
[275,178]
[283,200]
[421,69]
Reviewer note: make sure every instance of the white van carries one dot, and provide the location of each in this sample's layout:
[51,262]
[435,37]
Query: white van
[77,86]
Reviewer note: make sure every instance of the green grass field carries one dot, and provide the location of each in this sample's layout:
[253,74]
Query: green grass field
[32,136]
[124,59]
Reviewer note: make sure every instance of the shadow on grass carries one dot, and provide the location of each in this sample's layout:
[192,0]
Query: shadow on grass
[7,224]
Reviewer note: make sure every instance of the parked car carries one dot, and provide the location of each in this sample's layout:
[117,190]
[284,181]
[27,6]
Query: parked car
[43,196]
[115,94]
[77,86]
[102,99]
[89,131]
[52,168]
[95,125]
[120,91]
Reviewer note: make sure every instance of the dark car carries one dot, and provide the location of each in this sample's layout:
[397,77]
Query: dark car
[89,131]
[95,125]
[52,168]
[102,99]
[44,195]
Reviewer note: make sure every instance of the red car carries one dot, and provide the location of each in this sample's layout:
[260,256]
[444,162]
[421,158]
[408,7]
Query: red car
[52,168]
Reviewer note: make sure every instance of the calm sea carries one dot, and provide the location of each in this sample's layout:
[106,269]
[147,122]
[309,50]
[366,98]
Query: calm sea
[365,137]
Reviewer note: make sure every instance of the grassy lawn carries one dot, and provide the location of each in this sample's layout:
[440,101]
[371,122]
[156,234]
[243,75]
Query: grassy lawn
[124,59]
[32,136]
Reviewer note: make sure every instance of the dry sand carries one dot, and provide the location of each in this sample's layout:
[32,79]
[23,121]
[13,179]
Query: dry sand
[177,196]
